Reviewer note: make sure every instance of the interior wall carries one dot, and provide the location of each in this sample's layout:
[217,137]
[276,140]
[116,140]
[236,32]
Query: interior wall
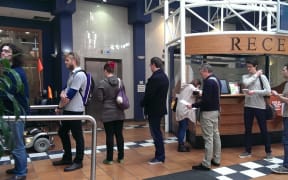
[102,31]
[155,38]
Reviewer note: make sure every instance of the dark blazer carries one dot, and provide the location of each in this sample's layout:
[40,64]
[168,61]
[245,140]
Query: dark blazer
[154,101]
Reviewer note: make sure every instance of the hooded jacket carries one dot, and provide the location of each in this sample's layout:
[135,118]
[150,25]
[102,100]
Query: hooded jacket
[106,95]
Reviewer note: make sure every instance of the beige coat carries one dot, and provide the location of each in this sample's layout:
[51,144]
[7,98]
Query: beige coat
[186,96]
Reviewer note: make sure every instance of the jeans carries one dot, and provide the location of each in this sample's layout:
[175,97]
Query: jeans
[249,114]
[18,152]
[285,141]
[183,124]
[154,126]
[77,133]
[211,136]
[111,129]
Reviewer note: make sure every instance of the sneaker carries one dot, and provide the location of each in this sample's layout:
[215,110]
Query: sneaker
[121,161]
[155,161]
[280,170]
[245,155]
[107,162]
[269,156]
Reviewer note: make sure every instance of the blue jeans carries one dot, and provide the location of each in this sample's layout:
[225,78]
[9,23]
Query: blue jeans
[154,126]
[183,124]
[249,114]
[285,141]
[19,152]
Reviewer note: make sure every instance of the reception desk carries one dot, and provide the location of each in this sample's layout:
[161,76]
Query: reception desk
[231,125]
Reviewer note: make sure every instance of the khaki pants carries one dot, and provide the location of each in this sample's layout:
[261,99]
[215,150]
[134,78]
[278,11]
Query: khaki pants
[211,136]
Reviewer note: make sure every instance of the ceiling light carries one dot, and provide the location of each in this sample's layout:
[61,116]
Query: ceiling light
[104,0]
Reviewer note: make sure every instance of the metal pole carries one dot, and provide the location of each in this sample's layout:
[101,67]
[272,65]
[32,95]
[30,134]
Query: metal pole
[65,118]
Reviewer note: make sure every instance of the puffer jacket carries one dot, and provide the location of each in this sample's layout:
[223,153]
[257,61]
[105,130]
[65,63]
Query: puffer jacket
[106,95]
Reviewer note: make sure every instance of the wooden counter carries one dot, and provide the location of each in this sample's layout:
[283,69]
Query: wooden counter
[231,124]
[231,119]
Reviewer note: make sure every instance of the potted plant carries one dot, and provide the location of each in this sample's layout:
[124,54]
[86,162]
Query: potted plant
[5,95]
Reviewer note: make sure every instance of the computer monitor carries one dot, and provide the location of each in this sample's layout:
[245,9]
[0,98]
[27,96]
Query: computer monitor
[224,87]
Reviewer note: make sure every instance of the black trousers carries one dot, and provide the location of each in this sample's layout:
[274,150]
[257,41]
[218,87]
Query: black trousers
[77,133]
[111,129]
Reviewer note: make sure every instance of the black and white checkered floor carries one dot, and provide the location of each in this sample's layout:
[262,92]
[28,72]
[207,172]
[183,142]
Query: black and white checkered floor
[101,148]
[243,171]
[247,170]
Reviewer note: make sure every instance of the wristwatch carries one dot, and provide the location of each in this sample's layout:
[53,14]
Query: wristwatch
[58,107]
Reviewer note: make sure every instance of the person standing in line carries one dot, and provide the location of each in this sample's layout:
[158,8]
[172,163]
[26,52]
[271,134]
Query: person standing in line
[284,99]
[209,118]
[255,106]
[112,116]
[15,56]
[188,95]
[155,107]
[72,104]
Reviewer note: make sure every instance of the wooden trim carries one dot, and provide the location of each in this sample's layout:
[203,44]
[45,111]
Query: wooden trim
[248,44]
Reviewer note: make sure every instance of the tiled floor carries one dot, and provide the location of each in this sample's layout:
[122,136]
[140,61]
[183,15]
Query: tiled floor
[139,150]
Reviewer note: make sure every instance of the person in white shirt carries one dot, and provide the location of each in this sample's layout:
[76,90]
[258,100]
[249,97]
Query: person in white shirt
[188,94]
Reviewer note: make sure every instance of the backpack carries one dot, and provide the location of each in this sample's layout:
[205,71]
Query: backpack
[88,94]
[121,98]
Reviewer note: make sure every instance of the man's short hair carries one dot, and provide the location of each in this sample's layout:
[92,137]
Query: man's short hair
[206,66]
[75,57]
[157,62]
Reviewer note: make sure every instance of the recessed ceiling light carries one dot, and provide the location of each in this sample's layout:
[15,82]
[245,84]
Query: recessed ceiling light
[104,0]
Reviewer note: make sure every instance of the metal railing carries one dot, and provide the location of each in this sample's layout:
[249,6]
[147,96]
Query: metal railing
[64,118]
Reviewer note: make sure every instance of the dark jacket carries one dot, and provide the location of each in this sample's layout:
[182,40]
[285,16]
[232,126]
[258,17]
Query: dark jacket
[106,94]
[154,101]
[21,98]
[210,95]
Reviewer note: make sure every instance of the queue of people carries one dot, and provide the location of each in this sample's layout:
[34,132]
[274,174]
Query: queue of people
[155,107]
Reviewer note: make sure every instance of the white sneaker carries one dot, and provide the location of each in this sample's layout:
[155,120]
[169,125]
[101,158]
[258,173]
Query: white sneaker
[280,170]
[245,155]
[154,161]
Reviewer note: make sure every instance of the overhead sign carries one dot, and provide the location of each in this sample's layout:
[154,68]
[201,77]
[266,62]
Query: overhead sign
[237,44]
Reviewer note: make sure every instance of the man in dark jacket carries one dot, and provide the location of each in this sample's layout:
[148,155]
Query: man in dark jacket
[209,117]
[154,103]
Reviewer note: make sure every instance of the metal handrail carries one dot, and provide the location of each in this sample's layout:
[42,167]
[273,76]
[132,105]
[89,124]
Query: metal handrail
[65,118]
[43,106]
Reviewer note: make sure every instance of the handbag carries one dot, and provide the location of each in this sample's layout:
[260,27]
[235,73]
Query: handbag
[174,104]
[270,111]
[121,98]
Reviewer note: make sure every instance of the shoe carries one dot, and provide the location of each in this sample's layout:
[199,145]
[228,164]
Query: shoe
[73,167]
[121,161]
[269,156]
[214,163]
[182,148]
[155,161]
[245,155]
[11,171]
[280,170]
[201,167]
[61,162]
[17,178]
[107,162]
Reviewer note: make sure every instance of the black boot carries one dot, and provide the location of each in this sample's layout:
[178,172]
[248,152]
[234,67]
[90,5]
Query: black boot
[182,148]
